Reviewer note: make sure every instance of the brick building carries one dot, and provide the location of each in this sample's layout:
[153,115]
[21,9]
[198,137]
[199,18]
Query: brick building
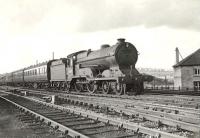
[187,72]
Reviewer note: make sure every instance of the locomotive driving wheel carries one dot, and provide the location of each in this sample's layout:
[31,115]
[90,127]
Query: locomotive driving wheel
[66,86]
[119,90]
[35,85]
[106,87]
[78,87]
[92,87]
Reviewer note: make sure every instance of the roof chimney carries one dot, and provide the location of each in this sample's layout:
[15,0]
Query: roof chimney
[177,55]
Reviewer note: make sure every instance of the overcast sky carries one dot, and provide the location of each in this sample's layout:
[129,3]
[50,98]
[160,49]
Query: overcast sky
[31,30]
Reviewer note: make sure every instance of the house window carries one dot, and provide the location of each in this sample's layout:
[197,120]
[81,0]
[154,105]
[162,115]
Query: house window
[196,72]
[197,85]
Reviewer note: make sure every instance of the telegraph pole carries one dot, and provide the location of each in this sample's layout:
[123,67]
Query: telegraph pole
[53,55]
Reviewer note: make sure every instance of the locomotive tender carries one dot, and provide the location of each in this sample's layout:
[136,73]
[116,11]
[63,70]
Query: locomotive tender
[110,69]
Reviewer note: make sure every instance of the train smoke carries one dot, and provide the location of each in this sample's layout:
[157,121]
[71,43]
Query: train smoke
[172,13]
[90,15]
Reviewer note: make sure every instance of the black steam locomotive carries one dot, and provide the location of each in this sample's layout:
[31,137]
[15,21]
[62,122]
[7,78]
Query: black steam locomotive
[109,70]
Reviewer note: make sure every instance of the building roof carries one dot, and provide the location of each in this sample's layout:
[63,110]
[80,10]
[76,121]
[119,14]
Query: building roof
[191,60]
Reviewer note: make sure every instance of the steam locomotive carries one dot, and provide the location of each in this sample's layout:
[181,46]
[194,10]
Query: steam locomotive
[110,69]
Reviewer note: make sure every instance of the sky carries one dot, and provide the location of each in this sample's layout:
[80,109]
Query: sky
[30,30]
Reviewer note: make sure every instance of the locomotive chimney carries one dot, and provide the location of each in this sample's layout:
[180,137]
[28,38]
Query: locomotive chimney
[121,40]
[177,55]
[105,46]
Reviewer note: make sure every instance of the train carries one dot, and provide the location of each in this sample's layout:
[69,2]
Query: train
[109,70]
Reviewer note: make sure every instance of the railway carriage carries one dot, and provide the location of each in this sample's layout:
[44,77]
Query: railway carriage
[2,80]
[36,75]
[9,78]
[18,77]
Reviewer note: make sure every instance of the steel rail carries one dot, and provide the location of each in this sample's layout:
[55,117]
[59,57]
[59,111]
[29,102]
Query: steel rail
[127,125]
[54,124]
[164,120]
[189,111]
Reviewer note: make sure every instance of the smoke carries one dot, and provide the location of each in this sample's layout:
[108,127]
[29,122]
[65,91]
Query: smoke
[114,14]
[90,15]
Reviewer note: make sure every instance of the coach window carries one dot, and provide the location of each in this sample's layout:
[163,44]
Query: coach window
[35,71]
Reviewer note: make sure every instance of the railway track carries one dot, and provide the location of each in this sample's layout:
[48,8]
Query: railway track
[18,124]
[145,102]
[111,120]
[72,124]
[168,118]
[166,122]
[176,100]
